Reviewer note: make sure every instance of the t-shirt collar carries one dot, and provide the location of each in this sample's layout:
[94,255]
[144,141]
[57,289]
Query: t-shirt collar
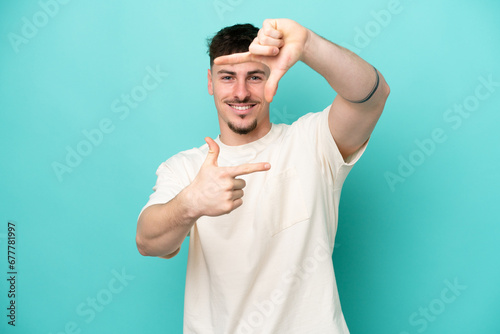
[247,152]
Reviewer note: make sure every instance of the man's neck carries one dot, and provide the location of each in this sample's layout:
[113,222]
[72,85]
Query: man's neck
[230,138]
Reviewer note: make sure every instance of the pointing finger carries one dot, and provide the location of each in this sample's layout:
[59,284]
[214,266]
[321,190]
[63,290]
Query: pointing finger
[234,58]
[249,168]
[213,152]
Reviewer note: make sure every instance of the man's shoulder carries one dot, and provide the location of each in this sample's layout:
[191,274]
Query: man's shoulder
[309,119]
[185,159]
[192,153]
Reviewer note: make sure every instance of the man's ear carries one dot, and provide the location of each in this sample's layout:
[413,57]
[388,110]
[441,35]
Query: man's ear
[210,87]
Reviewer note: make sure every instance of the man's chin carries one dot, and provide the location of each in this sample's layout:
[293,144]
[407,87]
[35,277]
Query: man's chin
[242,130]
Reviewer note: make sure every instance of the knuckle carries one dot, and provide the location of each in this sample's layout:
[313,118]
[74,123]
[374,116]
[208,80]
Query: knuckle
[267,22]
[264,40]
[227,207]
[228,184]
[237,203]
[235,170]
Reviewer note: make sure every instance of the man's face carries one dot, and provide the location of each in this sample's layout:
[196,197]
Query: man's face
[238,92]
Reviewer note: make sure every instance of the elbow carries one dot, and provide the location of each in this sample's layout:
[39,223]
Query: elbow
[141,241]
[141,246]
[384,87]
[145,250]
[387,90]
[382,95]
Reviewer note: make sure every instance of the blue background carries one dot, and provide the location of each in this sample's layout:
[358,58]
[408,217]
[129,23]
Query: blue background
[404,234]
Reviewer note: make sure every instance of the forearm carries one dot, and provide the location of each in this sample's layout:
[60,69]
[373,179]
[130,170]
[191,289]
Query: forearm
[348,74]
[162,228]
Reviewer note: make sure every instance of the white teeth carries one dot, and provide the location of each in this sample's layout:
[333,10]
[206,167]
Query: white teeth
[242,107]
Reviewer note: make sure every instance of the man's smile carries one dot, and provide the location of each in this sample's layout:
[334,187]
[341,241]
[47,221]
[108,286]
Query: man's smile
[242,108]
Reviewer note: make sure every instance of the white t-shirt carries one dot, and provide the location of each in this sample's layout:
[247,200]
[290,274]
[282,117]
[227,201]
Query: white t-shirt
[266,267]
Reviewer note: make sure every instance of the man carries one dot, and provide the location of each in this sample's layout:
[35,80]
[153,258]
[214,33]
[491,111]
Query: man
[260,258]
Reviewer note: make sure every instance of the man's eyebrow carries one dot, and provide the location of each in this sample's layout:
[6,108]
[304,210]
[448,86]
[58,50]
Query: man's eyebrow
[256,72]
[226,72]
[248,73]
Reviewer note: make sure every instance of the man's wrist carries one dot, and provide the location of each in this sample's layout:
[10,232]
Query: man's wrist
[314,50]
[187,204]
[306,50]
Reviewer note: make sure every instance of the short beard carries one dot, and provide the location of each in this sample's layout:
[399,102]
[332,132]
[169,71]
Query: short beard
[242,131]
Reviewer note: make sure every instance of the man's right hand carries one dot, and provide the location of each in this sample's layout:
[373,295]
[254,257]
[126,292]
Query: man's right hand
[217,190]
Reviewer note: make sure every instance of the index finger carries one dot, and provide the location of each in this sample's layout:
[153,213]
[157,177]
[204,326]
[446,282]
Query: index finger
[234,58]
[249,168]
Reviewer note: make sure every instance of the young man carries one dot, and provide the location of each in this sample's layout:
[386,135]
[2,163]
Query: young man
[260,259]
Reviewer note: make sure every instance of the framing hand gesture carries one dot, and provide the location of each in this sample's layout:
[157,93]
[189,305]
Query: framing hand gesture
[279,45]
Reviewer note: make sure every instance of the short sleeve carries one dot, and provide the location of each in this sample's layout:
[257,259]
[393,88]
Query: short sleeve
[167,186]
[329,156]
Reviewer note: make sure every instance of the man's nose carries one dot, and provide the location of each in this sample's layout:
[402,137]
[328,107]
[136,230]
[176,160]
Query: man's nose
[241,90]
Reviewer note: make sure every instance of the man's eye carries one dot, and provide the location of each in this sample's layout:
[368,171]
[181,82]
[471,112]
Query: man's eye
[226,78]
[255,78]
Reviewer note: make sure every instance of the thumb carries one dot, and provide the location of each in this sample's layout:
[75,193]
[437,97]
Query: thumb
[213,152]
[272,84]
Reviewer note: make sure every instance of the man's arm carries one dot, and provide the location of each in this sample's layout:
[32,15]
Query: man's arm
[361,91]
[162,228]
[215,191]
[280,43]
